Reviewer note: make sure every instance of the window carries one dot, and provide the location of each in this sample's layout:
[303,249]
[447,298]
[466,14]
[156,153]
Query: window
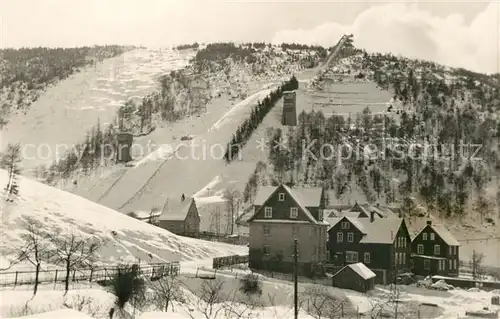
[420,249]
[268,212]
[450,250]
[367,258]
[455,264]
[328,255]
[433,236]
[427,264]
[403,259]
[294,212]
[295,230]
[345,225]
[267,230]
[450,264]
[266,250]
[437,249]
[424,236]
[351,256]
[320,215]
[281,197]
[340,237]
[350,237]
[404,242]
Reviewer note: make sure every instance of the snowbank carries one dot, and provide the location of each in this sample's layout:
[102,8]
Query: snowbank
[123,238]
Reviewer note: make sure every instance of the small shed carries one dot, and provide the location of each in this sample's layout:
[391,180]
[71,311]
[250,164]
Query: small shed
[356,276]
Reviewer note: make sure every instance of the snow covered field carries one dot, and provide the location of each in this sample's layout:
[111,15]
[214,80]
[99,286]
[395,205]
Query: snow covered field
[92,301]
[123,238]
[66,111]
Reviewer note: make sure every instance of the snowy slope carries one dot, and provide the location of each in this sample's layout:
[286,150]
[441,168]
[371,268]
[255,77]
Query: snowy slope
[66,111]
[63,212]
[195,164]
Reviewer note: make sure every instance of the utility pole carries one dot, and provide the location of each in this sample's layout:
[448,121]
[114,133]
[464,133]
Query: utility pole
[295,278]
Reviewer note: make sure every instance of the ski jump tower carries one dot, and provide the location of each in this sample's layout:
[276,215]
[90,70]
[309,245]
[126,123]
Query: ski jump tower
[289,116]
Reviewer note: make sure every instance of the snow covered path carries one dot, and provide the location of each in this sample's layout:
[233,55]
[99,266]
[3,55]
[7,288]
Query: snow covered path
[66,111]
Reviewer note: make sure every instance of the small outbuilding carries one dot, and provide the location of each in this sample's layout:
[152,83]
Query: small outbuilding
[356,277]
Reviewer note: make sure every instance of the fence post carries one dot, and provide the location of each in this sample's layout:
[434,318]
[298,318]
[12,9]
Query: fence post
[55,279]
[105,272]
[91,273]
[15,280]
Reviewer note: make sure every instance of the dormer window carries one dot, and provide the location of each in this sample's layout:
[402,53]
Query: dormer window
[294,212]
[432,236]
[424,236]
[281,197]
[345,225]
[268,212]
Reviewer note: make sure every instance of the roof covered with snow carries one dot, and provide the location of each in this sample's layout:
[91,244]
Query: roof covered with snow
[304,197]
[442,232]
[309,197]
[176,209]
[359,268]
[380,231]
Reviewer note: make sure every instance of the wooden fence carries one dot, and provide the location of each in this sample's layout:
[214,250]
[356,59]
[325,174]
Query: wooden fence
[220,262]
[152,271]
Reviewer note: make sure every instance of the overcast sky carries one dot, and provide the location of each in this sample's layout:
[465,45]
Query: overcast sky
[455,33]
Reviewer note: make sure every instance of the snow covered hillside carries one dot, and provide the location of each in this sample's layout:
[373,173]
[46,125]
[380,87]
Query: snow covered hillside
[124,239]
[66,111]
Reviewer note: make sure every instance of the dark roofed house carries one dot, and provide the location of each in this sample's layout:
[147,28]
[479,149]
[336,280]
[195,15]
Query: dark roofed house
[435,251]
[382,244]
[180,217]
[356,277]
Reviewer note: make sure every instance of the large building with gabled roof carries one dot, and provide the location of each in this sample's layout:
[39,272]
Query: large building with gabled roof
[282,214]
[383,244]
[435,251]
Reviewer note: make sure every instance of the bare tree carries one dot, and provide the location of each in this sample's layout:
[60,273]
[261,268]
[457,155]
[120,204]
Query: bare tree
[10,161]
[73,251]
[476,264]
[210,298]
[386,304]
[36,248]
[232,196]
[166,290]
[319,303]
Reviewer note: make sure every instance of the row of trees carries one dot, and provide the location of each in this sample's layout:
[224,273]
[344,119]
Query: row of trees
[188,46]
[41,65]
[245,130]
[68,250]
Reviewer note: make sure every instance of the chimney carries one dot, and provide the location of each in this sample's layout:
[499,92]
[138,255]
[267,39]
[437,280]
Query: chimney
[429,222]
[372,217]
